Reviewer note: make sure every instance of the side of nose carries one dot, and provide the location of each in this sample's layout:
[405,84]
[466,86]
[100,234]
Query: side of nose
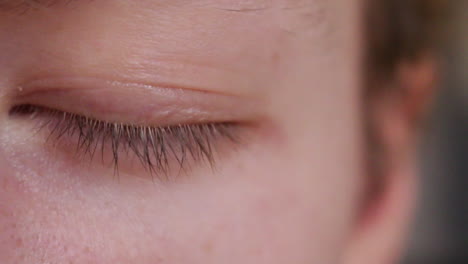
[10,190]
[11,195]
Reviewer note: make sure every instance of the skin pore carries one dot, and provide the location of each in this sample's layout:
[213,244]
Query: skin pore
[284,74]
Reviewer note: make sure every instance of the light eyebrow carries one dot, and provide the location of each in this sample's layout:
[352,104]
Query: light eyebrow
[19,7]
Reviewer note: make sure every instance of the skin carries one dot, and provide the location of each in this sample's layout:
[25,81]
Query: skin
[288,71]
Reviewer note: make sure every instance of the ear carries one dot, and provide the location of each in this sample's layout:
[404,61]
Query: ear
[381,228]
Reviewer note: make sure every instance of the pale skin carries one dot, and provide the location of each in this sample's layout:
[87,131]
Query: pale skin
[288,72]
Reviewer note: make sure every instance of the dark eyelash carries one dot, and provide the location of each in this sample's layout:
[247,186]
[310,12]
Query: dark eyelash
[155,147]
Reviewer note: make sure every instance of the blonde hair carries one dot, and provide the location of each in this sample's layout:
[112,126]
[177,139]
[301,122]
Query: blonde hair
[400,30]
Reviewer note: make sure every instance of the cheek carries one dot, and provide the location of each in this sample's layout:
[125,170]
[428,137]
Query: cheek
[268,205]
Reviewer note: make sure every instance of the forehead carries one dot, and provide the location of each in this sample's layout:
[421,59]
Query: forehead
[227,34]
[285,16]
[289,15]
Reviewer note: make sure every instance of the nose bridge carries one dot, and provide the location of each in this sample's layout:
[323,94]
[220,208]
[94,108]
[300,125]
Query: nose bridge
[9,186]
[7,133]
[9,194]
[5,166]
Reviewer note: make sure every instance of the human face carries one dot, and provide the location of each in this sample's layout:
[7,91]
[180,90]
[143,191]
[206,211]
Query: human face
[276,81]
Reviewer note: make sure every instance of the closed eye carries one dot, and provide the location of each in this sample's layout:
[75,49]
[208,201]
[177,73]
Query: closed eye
[156,148]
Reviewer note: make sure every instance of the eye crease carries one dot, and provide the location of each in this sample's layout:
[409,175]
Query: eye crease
[156,148]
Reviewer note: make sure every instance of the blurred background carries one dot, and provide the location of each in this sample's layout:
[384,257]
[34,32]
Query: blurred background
[440,232]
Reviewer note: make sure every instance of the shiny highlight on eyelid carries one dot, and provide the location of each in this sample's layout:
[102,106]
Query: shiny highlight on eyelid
[156,148]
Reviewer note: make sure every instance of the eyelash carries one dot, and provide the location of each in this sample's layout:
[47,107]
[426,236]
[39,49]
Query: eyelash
[155,147]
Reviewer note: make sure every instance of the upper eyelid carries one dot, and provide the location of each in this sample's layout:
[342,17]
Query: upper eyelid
[155,147]
[184,71]
[91,82]
[137,103]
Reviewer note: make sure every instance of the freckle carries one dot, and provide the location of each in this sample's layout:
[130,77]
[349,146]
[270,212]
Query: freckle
[19,242]
[4,214]
[208,247]
[275,57]
[4,184]
[87,250]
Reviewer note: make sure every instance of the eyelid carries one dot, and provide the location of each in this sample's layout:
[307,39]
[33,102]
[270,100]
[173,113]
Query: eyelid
[136,103]
[156,148]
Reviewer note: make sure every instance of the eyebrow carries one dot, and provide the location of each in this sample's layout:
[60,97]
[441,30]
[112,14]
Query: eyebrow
[22,7]
[19,7]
